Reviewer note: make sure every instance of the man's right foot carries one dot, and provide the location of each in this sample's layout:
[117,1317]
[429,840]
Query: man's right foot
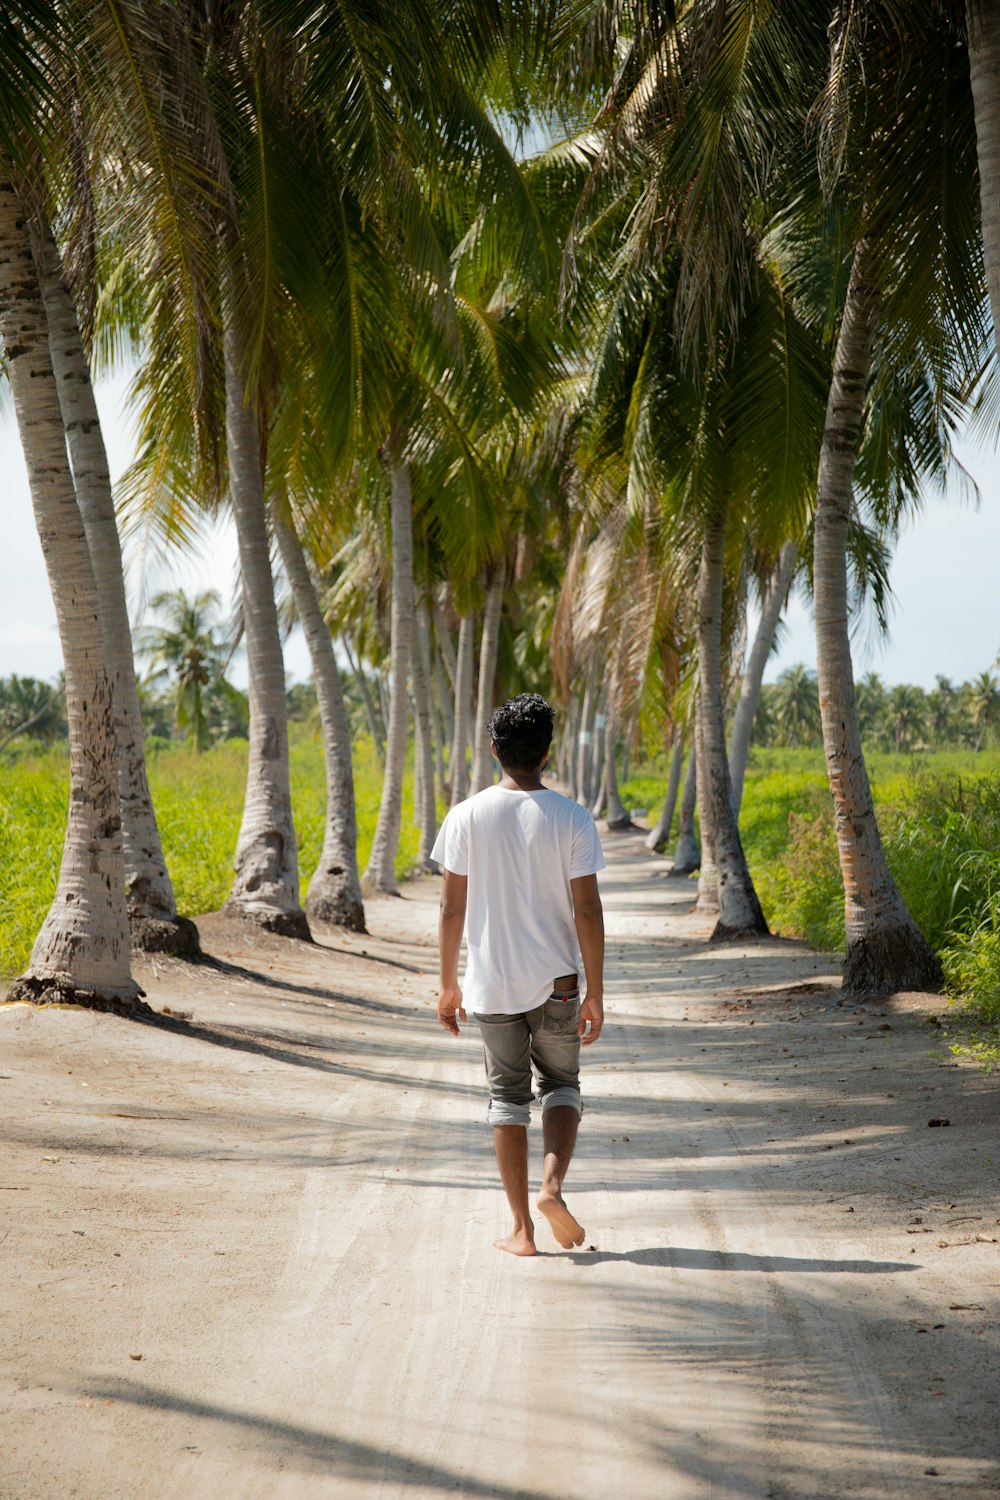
[567,1231]
[518,1243]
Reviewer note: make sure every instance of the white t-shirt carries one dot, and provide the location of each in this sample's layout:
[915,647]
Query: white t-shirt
[520,850]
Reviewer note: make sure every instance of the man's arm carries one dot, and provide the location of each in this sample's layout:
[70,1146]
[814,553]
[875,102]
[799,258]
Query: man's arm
[451,925]
[588,914]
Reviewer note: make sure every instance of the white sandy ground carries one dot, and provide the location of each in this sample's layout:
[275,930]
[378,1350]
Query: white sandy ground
[254,1262]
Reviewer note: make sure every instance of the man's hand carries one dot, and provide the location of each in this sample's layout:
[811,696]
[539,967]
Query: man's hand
[450,1008]
[592,1011]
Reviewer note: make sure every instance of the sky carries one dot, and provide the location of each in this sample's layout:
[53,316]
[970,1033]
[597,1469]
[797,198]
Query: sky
[945,617]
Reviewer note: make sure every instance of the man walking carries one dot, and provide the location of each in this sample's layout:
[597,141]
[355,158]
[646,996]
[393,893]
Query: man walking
[520,868]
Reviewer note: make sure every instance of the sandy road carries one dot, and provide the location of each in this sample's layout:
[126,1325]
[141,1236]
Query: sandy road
[288,1216]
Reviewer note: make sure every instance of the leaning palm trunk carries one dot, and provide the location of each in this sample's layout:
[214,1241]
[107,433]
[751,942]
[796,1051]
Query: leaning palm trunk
[687,855]
[266,888]
[423,735]
[482,760]
[657,837]
[153,920]
[983,19]
[458,766]
[375,726]
[334,895]
[746,708]
[585,734]
[739,908]
[446,711]
[616,814]
[81,954]
[381,871]
[885,949]
[707,904]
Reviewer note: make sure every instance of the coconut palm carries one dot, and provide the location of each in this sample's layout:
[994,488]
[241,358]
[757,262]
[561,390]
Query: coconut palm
[795,706]
[81,954]
[984,704]
[187,652]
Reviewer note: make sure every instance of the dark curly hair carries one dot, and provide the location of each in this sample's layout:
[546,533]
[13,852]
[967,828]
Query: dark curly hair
[521,729]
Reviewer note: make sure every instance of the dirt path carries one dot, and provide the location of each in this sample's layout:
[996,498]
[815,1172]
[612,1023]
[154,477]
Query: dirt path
[254,1262]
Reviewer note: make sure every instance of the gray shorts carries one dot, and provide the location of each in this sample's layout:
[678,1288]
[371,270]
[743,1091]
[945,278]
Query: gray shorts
[546,1038]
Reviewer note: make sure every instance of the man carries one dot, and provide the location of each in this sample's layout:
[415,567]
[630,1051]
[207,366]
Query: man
[521,862]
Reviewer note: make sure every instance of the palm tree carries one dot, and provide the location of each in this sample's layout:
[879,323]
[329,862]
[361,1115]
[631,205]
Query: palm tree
[907,708]
[81,954]
[154,923]
[984,704]
[186,650]
[796,706]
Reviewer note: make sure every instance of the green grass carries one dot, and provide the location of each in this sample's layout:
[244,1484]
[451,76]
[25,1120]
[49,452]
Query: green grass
[199,802]
[939,816]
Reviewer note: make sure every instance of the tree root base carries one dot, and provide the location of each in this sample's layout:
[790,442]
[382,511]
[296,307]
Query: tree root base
[748,933]
[176,936]
[293,924]
[336,911]
[39,992]
[620,825]
[891,959]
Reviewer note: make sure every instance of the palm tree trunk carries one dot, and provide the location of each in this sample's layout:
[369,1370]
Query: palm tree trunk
[983,19]
[746,708]
[367,701]
[739,909]
[489,647]
[597,757]
[885,949]
[446,711]
[81,954]
[153,921]
[707,904]
[585,734]
[266,887]
[381,871]
[426,806]
[566,759]
[618,818]
[687,855]
[458,766]
[334,895]
[657,837]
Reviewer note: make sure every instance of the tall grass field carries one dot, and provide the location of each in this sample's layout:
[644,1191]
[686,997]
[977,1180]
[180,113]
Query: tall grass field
[939,816]
[198,800]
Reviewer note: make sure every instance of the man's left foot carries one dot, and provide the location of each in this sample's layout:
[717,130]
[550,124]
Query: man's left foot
[518,1243]
[567,1231]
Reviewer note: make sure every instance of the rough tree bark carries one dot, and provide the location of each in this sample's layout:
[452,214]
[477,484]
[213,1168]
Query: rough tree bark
[81,955]
[426,806]
[885,949]
[585,735]
[489,647]
[687,855]
[983,17]
[266,887]
[739,909]
[334,895]
[153,920]
[381,871]
[458,765]
[657,837]
[746,708]
[617,817]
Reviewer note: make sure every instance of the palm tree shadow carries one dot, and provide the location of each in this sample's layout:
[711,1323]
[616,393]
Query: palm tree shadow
[684,1258]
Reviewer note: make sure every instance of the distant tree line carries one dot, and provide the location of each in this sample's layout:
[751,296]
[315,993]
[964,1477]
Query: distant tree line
[904,718]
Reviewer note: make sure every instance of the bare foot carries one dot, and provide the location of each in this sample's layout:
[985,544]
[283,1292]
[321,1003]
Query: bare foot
[562,1223]
[518,1243]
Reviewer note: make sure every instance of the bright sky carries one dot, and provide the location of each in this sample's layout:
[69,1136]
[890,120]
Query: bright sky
[946,617]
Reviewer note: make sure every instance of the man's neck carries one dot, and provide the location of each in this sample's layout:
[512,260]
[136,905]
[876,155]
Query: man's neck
[522,781]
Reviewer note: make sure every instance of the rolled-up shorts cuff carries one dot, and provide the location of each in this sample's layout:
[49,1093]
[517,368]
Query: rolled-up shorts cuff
[562,1096]
[500,1112]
